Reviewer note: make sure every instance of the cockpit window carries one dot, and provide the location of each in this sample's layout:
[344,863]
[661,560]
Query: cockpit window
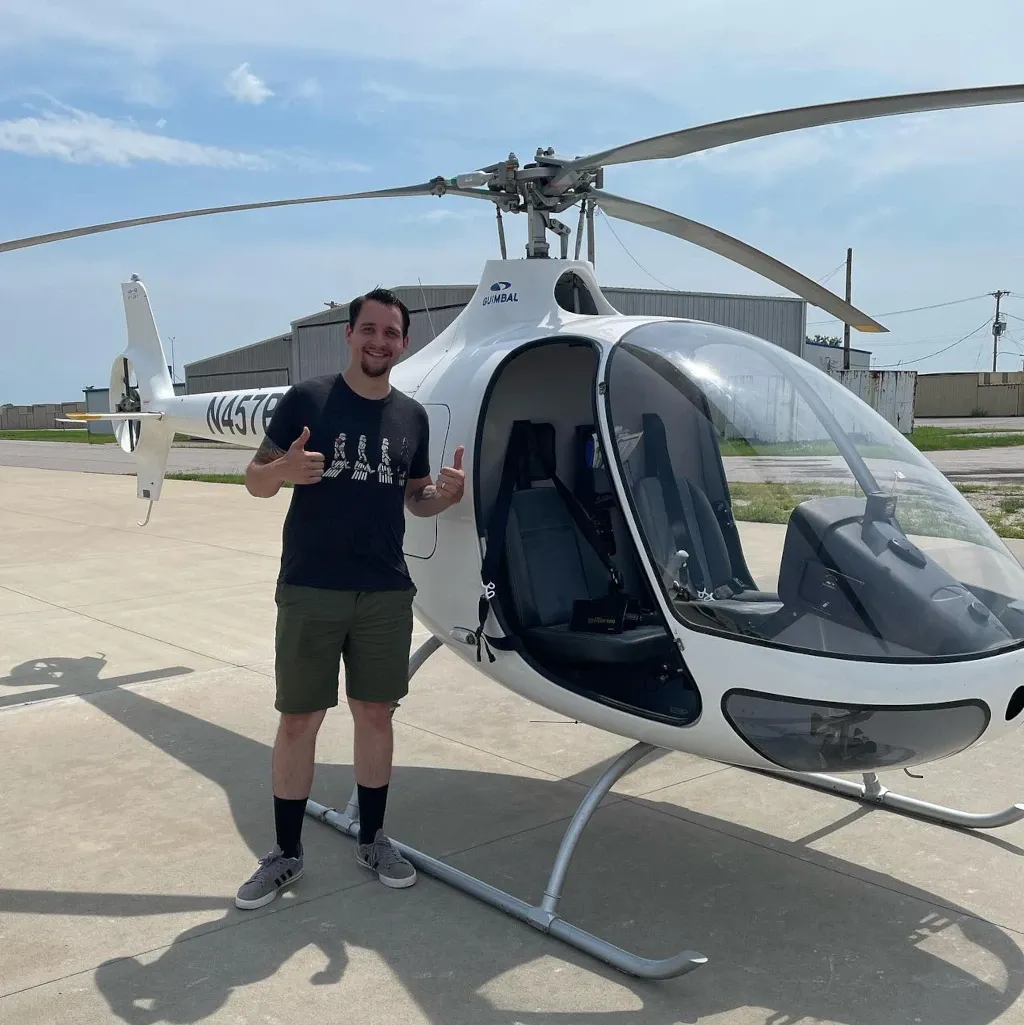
[775,505]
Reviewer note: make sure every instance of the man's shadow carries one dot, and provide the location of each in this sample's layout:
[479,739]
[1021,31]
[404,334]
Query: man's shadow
[784,933]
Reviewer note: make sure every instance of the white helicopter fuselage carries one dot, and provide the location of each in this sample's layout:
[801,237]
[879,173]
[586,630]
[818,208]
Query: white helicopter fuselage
[933,707]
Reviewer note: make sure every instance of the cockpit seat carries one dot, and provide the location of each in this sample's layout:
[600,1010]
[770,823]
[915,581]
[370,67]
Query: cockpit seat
[550,564]
[709,564]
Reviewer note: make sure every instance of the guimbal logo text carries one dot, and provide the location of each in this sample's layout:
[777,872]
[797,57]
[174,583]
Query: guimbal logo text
[501,292]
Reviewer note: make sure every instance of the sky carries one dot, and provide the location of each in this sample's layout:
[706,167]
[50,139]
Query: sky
[111,109]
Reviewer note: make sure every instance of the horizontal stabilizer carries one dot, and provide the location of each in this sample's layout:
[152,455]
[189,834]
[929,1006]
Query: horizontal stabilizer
[78,417]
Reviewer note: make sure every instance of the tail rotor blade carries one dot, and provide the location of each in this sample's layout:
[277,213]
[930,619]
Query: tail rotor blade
[437,187]
[739,252]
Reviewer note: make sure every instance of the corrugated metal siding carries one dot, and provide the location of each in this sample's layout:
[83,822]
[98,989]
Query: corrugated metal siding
[322,349]
[259,365]
[946,394]
[319,349]
[316,344]
[200,383]
[420,333]
[270,354]
[434,297]
[778,320]
[999,399]
[1001,393]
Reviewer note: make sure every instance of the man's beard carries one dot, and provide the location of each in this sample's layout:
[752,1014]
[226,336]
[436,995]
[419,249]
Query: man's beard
[374,371]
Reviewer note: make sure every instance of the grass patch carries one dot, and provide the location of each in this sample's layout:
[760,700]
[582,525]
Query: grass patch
[73,436]
[924,439]
[946,439]
[772,503]
[741,447]
[1001,506]
[207,478]
[212,478]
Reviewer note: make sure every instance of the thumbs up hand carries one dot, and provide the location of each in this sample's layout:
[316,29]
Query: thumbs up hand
[451,481]
[299,466]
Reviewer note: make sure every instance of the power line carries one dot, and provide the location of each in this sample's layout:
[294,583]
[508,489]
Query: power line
[630,255]
[832,273]
[908,362]
[915,309]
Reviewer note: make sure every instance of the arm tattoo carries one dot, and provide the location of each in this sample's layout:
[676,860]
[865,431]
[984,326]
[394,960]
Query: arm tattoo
[425,493]
[267,452]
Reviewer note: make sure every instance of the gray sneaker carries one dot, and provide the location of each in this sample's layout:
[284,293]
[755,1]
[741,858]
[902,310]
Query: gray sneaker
[274,872]
[382,857]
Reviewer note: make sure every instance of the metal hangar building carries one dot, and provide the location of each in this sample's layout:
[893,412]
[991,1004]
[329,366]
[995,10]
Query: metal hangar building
[316,344]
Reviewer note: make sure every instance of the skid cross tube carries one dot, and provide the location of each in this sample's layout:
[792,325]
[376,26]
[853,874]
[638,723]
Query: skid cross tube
[873,791]
[543,916]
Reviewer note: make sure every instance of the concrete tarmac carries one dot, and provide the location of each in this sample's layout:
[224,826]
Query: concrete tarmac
[977,465]
[136,724]
[110,458]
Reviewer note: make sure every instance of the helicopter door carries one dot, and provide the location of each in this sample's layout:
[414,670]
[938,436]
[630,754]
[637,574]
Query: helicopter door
[421,531]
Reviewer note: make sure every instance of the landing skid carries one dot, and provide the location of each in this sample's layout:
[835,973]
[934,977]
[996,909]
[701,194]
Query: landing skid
[873,791]
[543,916]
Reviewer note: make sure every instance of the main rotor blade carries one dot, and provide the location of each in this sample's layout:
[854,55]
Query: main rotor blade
[739,252]
[426,189]
[756,126]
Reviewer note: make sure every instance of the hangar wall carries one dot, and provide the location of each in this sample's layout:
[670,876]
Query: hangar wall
[251,366]
[316,344]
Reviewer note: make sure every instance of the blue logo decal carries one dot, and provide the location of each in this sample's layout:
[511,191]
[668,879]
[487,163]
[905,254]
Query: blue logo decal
[501,294]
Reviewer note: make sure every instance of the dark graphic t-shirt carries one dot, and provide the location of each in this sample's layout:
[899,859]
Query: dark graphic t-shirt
[346,532]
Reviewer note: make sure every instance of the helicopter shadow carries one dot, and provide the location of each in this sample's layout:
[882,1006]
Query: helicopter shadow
[62,677]
[795,937]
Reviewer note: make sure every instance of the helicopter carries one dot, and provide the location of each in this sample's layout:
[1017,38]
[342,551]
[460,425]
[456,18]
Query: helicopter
[600,568]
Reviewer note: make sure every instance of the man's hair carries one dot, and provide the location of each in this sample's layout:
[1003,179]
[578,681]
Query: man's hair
[385,297]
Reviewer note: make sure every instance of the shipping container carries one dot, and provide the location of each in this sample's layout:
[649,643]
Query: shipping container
[889,392]
[970,394]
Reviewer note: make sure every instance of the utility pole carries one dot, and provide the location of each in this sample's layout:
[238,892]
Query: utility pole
[997,327]
[849,296]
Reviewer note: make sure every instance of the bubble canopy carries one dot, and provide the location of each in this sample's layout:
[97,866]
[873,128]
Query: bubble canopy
[777,507]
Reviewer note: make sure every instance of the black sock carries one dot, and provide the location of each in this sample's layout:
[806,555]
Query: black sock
[288,815]
[372,801]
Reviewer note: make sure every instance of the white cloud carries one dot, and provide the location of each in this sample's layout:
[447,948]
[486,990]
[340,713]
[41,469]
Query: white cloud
[146,89]
[79,137]
[309,89]
[703,42]
[247,87]
[397,94]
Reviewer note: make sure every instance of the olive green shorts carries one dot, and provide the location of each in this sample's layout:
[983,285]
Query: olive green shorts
[318,629]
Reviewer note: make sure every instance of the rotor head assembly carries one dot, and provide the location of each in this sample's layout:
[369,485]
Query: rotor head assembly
[549,185]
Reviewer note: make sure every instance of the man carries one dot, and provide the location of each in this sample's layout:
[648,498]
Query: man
[356,451]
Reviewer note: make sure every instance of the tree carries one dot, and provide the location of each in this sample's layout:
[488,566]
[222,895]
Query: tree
[825,340]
